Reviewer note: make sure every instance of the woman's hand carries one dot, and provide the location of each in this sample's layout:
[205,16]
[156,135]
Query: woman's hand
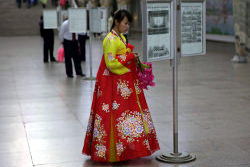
[136,55]
[137,58]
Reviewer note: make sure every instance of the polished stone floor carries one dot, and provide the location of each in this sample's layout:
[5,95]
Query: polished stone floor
[43,114]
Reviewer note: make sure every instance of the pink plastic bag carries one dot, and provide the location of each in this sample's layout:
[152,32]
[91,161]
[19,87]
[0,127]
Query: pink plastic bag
[60,54]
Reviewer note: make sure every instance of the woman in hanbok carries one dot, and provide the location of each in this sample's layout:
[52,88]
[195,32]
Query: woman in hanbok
[120,127]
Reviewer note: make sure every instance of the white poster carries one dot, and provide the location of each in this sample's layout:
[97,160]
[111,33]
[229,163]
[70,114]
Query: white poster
[104,19]
[99,20]
[95,20]
[158,31]
[191,29]
[77,20]
[49,19]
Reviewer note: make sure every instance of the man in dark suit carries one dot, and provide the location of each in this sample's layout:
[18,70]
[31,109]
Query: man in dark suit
[82,37]
[71,50]
[48,42]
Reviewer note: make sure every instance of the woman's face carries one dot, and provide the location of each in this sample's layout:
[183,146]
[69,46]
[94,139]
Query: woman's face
[123,26]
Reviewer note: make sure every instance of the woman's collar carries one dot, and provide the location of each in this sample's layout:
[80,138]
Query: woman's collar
[115,32]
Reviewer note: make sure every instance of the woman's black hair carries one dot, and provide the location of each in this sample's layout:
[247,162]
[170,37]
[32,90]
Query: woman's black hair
[119,16]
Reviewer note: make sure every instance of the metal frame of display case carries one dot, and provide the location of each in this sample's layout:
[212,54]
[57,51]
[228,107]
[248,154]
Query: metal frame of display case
[175,156]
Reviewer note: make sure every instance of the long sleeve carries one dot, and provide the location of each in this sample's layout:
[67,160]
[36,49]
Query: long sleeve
[116,63]
[62,31]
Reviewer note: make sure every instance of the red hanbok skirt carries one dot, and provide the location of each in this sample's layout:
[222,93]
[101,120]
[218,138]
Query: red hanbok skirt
[120,125]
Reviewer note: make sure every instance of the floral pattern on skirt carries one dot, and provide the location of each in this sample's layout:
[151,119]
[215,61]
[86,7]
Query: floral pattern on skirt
[120,125]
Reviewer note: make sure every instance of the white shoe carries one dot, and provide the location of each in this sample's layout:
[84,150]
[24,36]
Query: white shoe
[239,59]
[235,59]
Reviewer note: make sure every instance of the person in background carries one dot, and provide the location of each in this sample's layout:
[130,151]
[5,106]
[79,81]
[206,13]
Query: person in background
[241,11]
[71,51]
[19,3]
[82,37]
[34,2]
[28,3]
[44,3]
[48,42]
[54,3]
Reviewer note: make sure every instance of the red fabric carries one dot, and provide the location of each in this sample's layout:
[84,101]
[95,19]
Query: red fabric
[126,59]
[115,99]
[130,47]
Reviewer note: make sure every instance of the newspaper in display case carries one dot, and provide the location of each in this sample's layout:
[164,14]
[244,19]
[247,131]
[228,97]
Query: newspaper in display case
[99,20]
[192,30]
[77,20]
[49,19]
[95,20]
[158,31]
[103,19]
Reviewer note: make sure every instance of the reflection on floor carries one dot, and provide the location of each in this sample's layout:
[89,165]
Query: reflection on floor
[43,114]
